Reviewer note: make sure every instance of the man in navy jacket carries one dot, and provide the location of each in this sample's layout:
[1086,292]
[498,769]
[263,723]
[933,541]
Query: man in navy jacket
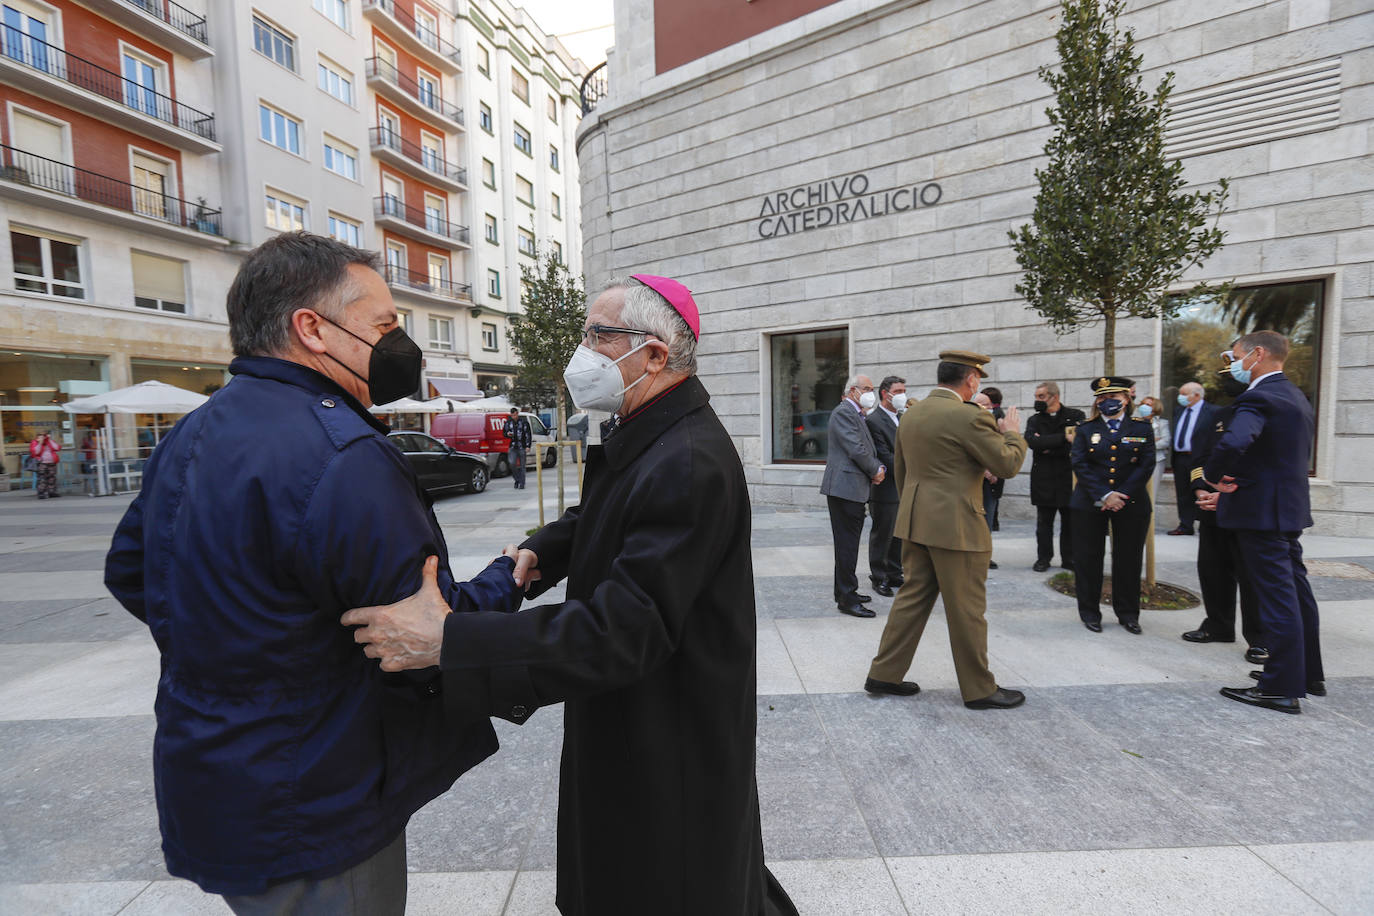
[1260,466]
[286,764]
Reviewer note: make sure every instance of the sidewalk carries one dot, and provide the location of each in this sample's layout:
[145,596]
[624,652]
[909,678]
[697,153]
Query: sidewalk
[1125,784]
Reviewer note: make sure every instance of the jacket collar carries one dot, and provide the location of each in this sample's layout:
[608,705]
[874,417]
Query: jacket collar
[946,393]
[305,378]
[641,430]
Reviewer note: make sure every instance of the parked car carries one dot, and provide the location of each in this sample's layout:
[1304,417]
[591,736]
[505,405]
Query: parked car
[480,434]
[809,436]
[440,468]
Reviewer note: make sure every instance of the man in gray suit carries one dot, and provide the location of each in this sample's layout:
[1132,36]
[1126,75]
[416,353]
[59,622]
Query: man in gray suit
[851,469]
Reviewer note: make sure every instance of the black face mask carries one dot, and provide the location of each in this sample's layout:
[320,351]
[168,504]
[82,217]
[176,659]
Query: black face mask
[1040,406]
[1229,385]
[394,369]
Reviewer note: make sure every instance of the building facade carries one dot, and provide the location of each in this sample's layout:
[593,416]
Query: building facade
[836,182]
[146,147]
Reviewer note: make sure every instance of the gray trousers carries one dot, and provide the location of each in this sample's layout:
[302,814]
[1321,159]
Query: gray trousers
[373,887]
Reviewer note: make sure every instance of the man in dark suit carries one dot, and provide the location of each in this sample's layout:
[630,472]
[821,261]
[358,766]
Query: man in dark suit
[1193,414]
[851,469]
[884,550]
[1049,432]
[1260,467]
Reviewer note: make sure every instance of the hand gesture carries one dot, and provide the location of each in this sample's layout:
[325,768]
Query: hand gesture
[526,565]
[1011,421]
[1207,501]
[409,633]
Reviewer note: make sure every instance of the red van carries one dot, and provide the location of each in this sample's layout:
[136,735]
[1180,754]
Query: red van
[480,434]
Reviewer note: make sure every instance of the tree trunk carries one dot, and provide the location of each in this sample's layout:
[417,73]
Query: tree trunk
[1109,341]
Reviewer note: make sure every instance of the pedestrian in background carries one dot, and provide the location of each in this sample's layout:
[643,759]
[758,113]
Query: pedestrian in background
[1113,456]
[992,484]
[884,550]
[45,452]
[1049,433]
[1193,414]
[1148,410]
[517,430]
[852,469]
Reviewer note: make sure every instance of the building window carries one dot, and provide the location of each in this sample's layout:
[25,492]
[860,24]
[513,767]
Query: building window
[432,152]
[483,61]
[484,116]
[522,141]
[435,220]
[140,81]
[1203,328]
[494,284]
[553,109]
[274,44]
[345,229]
[519,85]
[489,173]
[336,81]
[558,252]
[489,342]
[557,205]
[553,157]
[438,270]
[22,23]
[285,214]
[159,283]
[427,86]
[525,242]
[490,222]
[340,158]
[280,130]
[47,264]
[395,261]
[426,27]
[406,321]
[152,186]
[440,333]
[524,191]
[808,373]
[336,11]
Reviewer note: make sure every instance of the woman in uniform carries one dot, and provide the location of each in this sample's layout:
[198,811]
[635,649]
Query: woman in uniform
[1113,456]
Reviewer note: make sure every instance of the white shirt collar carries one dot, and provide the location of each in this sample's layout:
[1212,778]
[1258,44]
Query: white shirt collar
[890,413]
[1255,382]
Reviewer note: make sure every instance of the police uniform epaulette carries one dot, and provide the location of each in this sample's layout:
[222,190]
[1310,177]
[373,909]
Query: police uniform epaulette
[1196,474]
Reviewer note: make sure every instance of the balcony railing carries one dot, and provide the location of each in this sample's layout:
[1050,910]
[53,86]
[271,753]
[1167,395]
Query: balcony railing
[593,87]
[175,15]
[57,63]
[376,67]
[381,136]
[413,279]
[25,168]
[424,34]
[430,222]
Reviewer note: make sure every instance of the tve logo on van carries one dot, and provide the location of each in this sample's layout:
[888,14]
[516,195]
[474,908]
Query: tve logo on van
[837,201]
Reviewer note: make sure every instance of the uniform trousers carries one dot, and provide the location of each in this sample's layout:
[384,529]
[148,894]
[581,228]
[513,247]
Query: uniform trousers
[1220,572]
[373,887]
[846,527]
[884,550]
[1287,610]
[960,577]
[1044,534]
[1183,489]
[1128,527]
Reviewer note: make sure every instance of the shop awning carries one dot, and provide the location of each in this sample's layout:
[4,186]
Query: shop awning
[457,389]
[145,397]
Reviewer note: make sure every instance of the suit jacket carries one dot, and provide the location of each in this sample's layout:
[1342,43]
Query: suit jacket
[884,433]
[850,460]
[943,446]
[1206,417]
[1051,474]
[1267,449]
[1203,442]
[1108,462]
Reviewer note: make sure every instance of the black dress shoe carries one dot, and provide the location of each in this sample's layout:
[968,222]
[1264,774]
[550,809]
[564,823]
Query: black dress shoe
[1201,635]
[904,689]
[1181,530]
[1092,625]
[992,564]
[882,589]
[1257,655]
[1001,698]
[855,610]
[1041,565]
[1315,688]
[1132,627]
[862,599]
[1251,696]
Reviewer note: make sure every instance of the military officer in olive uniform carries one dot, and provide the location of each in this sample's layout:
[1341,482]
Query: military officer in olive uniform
[944,444]
[1113,456]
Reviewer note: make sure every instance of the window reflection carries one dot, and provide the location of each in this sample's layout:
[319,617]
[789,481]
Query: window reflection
[809,372]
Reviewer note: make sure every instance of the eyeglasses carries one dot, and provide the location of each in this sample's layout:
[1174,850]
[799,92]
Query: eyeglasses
[595,332]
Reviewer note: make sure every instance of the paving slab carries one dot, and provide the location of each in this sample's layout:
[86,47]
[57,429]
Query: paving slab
[1336,875]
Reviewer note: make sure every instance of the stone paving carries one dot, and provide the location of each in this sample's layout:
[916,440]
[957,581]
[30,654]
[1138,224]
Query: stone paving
[1125,784]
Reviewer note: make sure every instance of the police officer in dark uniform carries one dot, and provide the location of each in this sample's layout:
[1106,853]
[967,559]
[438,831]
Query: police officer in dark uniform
[1113,456]
[1219,566]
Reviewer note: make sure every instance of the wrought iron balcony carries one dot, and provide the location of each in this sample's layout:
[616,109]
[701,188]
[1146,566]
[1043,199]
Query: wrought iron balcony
[383,138]
[24,168]
[407,25]
[77,71]
[394,207]
[387,72]
[593,87]
[423,283]
[175,15]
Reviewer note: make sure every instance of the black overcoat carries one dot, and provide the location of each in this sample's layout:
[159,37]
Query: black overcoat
[652,656]
[1051,477]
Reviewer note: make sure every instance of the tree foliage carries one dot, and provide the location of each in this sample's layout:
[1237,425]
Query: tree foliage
[1113,228]
[548,332]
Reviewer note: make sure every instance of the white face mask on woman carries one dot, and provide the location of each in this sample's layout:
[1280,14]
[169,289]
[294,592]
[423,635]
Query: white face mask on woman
[594,381]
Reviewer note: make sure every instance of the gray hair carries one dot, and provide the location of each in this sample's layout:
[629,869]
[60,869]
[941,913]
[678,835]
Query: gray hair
[293,270]
[1051,389]
[645,308]
[853,382]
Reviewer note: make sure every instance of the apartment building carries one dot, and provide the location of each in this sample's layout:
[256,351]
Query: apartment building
[147,146]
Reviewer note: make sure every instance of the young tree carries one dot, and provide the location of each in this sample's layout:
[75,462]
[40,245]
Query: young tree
[546,335]
[1113,228]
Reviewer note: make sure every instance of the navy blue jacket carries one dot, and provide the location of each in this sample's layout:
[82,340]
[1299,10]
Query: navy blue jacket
[1268,449]
[1206,417]
[281,750]
[1108,462]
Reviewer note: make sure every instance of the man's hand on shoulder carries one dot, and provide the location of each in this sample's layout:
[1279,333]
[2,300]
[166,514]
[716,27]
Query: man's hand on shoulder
[408,634]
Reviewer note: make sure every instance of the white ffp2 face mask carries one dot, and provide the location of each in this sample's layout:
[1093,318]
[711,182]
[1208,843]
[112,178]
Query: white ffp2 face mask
[898,403]
[594,381]
[868,400]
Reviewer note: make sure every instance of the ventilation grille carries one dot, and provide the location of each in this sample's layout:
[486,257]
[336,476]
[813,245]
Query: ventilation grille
[1285,103]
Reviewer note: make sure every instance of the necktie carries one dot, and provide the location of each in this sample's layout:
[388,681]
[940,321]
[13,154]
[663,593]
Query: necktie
[1114,425]
[1183,429]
